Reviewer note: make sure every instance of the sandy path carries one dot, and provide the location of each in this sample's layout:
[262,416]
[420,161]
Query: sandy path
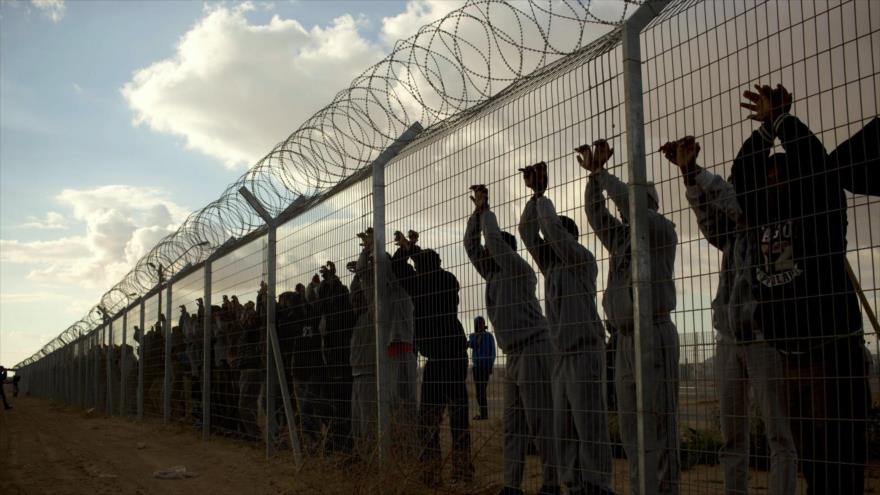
[47,449]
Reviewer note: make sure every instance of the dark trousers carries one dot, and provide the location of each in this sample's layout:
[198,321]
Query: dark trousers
[339,393]
[829,400]
[3,395]
[481,382]
[443,386]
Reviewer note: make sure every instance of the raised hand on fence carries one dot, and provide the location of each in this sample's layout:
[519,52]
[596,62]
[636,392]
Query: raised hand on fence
[480,197]
[593,159]
[366,238]
[400,240]
[535,177]
[766,104]
[682,153]
[331,269]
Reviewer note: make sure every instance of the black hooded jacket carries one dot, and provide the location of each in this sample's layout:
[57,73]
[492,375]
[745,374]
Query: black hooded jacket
[434,292]
[795,209]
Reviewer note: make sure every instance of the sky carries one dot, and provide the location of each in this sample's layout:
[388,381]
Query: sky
[119,118]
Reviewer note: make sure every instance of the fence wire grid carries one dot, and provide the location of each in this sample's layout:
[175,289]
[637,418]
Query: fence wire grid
[543,247]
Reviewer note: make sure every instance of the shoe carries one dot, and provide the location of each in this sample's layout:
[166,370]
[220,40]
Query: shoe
[8,407]
[550,490]
[480,417]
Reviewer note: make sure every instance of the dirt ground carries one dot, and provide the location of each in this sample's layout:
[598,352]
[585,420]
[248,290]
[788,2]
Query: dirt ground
[48,448]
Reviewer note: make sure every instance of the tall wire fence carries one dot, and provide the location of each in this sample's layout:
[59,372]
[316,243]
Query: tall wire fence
[712,331]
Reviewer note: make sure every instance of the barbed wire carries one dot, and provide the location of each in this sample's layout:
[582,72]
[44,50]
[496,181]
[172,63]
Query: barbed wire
[436,76]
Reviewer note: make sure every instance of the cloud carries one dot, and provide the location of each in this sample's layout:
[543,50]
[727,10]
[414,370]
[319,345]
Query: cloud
[77,88]
[417,14]
[121,224]
[234,88]
[53,221]
[52,9]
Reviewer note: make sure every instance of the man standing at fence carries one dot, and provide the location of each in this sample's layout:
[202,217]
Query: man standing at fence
[362,357]
[660,378]
[250,365]
[15,380]
[3,375]
[742,355]
[398,363]
[439,336]
[583,445]
[795,208]
[482,345]
[331,298]
[523,335]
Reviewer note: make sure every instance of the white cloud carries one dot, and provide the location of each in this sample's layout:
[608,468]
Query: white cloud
[235,88]
[53,221]
[77,88]
[417,14]
[53,9]
[121,224]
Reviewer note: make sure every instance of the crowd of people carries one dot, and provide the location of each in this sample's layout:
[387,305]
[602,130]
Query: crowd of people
[787,322]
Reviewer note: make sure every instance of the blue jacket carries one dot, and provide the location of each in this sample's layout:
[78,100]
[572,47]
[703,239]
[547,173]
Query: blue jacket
[483,349]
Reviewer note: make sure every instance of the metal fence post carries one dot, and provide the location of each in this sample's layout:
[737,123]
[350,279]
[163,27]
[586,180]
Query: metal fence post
[166,389]
[140,340]
[272,343]
[123,364]
[383,389]
[96,379]
[271,374]
[207,359]
[641,256]
[109,366]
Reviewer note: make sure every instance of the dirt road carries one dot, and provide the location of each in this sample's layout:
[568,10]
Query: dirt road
[49,449]
[46,448]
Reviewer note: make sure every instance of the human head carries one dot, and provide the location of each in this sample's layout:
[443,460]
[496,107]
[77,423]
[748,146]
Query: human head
[570,226]
[479,324]
[427,260]
[653,196]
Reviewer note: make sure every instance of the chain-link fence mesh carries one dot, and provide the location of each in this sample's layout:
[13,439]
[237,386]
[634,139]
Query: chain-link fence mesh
[668,288]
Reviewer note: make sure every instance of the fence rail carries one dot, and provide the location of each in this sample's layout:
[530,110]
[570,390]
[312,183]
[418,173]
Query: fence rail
[710,333]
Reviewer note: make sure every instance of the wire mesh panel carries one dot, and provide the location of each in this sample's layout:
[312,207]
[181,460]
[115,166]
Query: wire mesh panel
[101,369]
[239,375]
[545,318]
[325,324]
[772,370]
[187,347]
[129,370]
[152,350]
[503,300]
[115,366]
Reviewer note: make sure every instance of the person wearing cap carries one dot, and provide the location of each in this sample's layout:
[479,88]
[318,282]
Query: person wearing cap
[583,444]
[482,346]
[661,375]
